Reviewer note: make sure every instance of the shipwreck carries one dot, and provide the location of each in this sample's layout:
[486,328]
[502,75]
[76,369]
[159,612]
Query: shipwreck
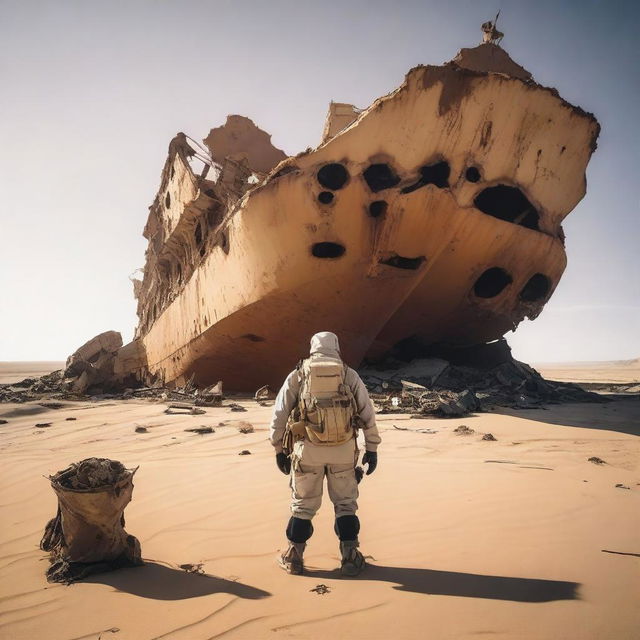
[433,217]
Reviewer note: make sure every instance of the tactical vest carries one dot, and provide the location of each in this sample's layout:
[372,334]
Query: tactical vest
[326,403]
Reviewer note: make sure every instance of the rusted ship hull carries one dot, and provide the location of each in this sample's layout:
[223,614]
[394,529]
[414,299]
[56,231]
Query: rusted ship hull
[434,217]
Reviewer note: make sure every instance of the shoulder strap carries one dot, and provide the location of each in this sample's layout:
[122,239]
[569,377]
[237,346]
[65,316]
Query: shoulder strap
[302,392]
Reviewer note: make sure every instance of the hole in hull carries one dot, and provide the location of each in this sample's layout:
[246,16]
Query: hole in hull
[167,200]
[252,337]
[400,262]
[508,203]
[537,288]
[333,176]
[327,250]
[380,177]
[472,174]
[326,197]
[377,208]
[197,234]
[492,282]
[436,174]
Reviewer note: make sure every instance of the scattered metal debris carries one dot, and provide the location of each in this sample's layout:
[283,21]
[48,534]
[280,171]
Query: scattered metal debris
[54,386]
[245,427]
[210,397]
[596,460]
[622,486]
[463,430]
[489,436]
[193,568]
[201,430]
[245,452]
[234,406]
[265,393]
[141,430]
[42,425]
[182,408]
[70,419]
[321,589]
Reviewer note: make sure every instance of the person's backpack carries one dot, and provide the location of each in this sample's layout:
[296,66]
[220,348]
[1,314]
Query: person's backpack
[327,406]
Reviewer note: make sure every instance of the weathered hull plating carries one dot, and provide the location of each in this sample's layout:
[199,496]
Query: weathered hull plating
[434,217]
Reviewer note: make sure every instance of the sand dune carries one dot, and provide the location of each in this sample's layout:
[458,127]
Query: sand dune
[518,538]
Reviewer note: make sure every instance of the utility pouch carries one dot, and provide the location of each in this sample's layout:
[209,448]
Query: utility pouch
[298,430]
[294,431]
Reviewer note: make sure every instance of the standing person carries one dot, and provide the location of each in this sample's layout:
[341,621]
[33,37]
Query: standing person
[314,429]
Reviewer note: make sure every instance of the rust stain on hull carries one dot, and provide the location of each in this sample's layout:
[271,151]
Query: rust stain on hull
[434,215]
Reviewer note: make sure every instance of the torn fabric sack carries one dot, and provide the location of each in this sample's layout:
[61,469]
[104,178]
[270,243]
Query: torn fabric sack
[87,535]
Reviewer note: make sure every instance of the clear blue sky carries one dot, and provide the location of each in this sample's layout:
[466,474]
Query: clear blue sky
[92,92]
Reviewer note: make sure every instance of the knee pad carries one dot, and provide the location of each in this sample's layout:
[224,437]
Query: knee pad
[299,530]
[347,527]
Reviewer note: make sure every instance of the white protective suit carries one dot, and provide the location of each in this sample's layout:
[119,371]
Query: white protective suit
[311,462]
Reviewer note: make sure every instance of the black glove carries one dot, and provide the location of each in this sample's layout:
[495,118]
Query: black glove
[284,463]
[359,474]
[370,458]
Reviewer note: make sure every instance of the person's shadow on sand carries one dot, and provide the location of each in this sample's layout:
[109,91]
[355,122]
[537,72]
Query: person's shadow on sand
[165,583]
[466,585]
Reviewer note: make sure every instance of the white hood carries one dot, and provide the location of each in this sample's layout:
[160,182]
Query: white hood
[326,344]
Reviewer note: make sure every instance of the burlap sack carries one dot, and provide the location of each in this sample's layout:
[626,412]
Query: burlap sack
[87,535]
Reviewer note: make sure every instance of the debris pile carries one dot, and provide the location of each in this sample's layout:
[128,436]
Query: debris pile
[66,385]
[50,386]
[88,371]
[434,386]
[87,535]
[92,364]
[91,473]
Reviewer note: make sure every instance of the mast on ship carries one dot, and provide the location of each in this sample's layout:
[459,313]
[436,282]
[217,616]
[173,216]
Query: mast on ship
[490,33]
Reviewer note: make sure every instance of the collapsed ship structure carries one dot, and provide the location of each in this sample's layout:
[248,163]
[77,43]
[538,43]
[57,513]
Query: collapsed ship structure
[434,216]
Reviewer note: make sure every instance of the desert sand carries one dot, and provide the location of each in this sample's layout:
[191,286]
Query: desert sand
[15,371]
[521,537]
[616,372]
